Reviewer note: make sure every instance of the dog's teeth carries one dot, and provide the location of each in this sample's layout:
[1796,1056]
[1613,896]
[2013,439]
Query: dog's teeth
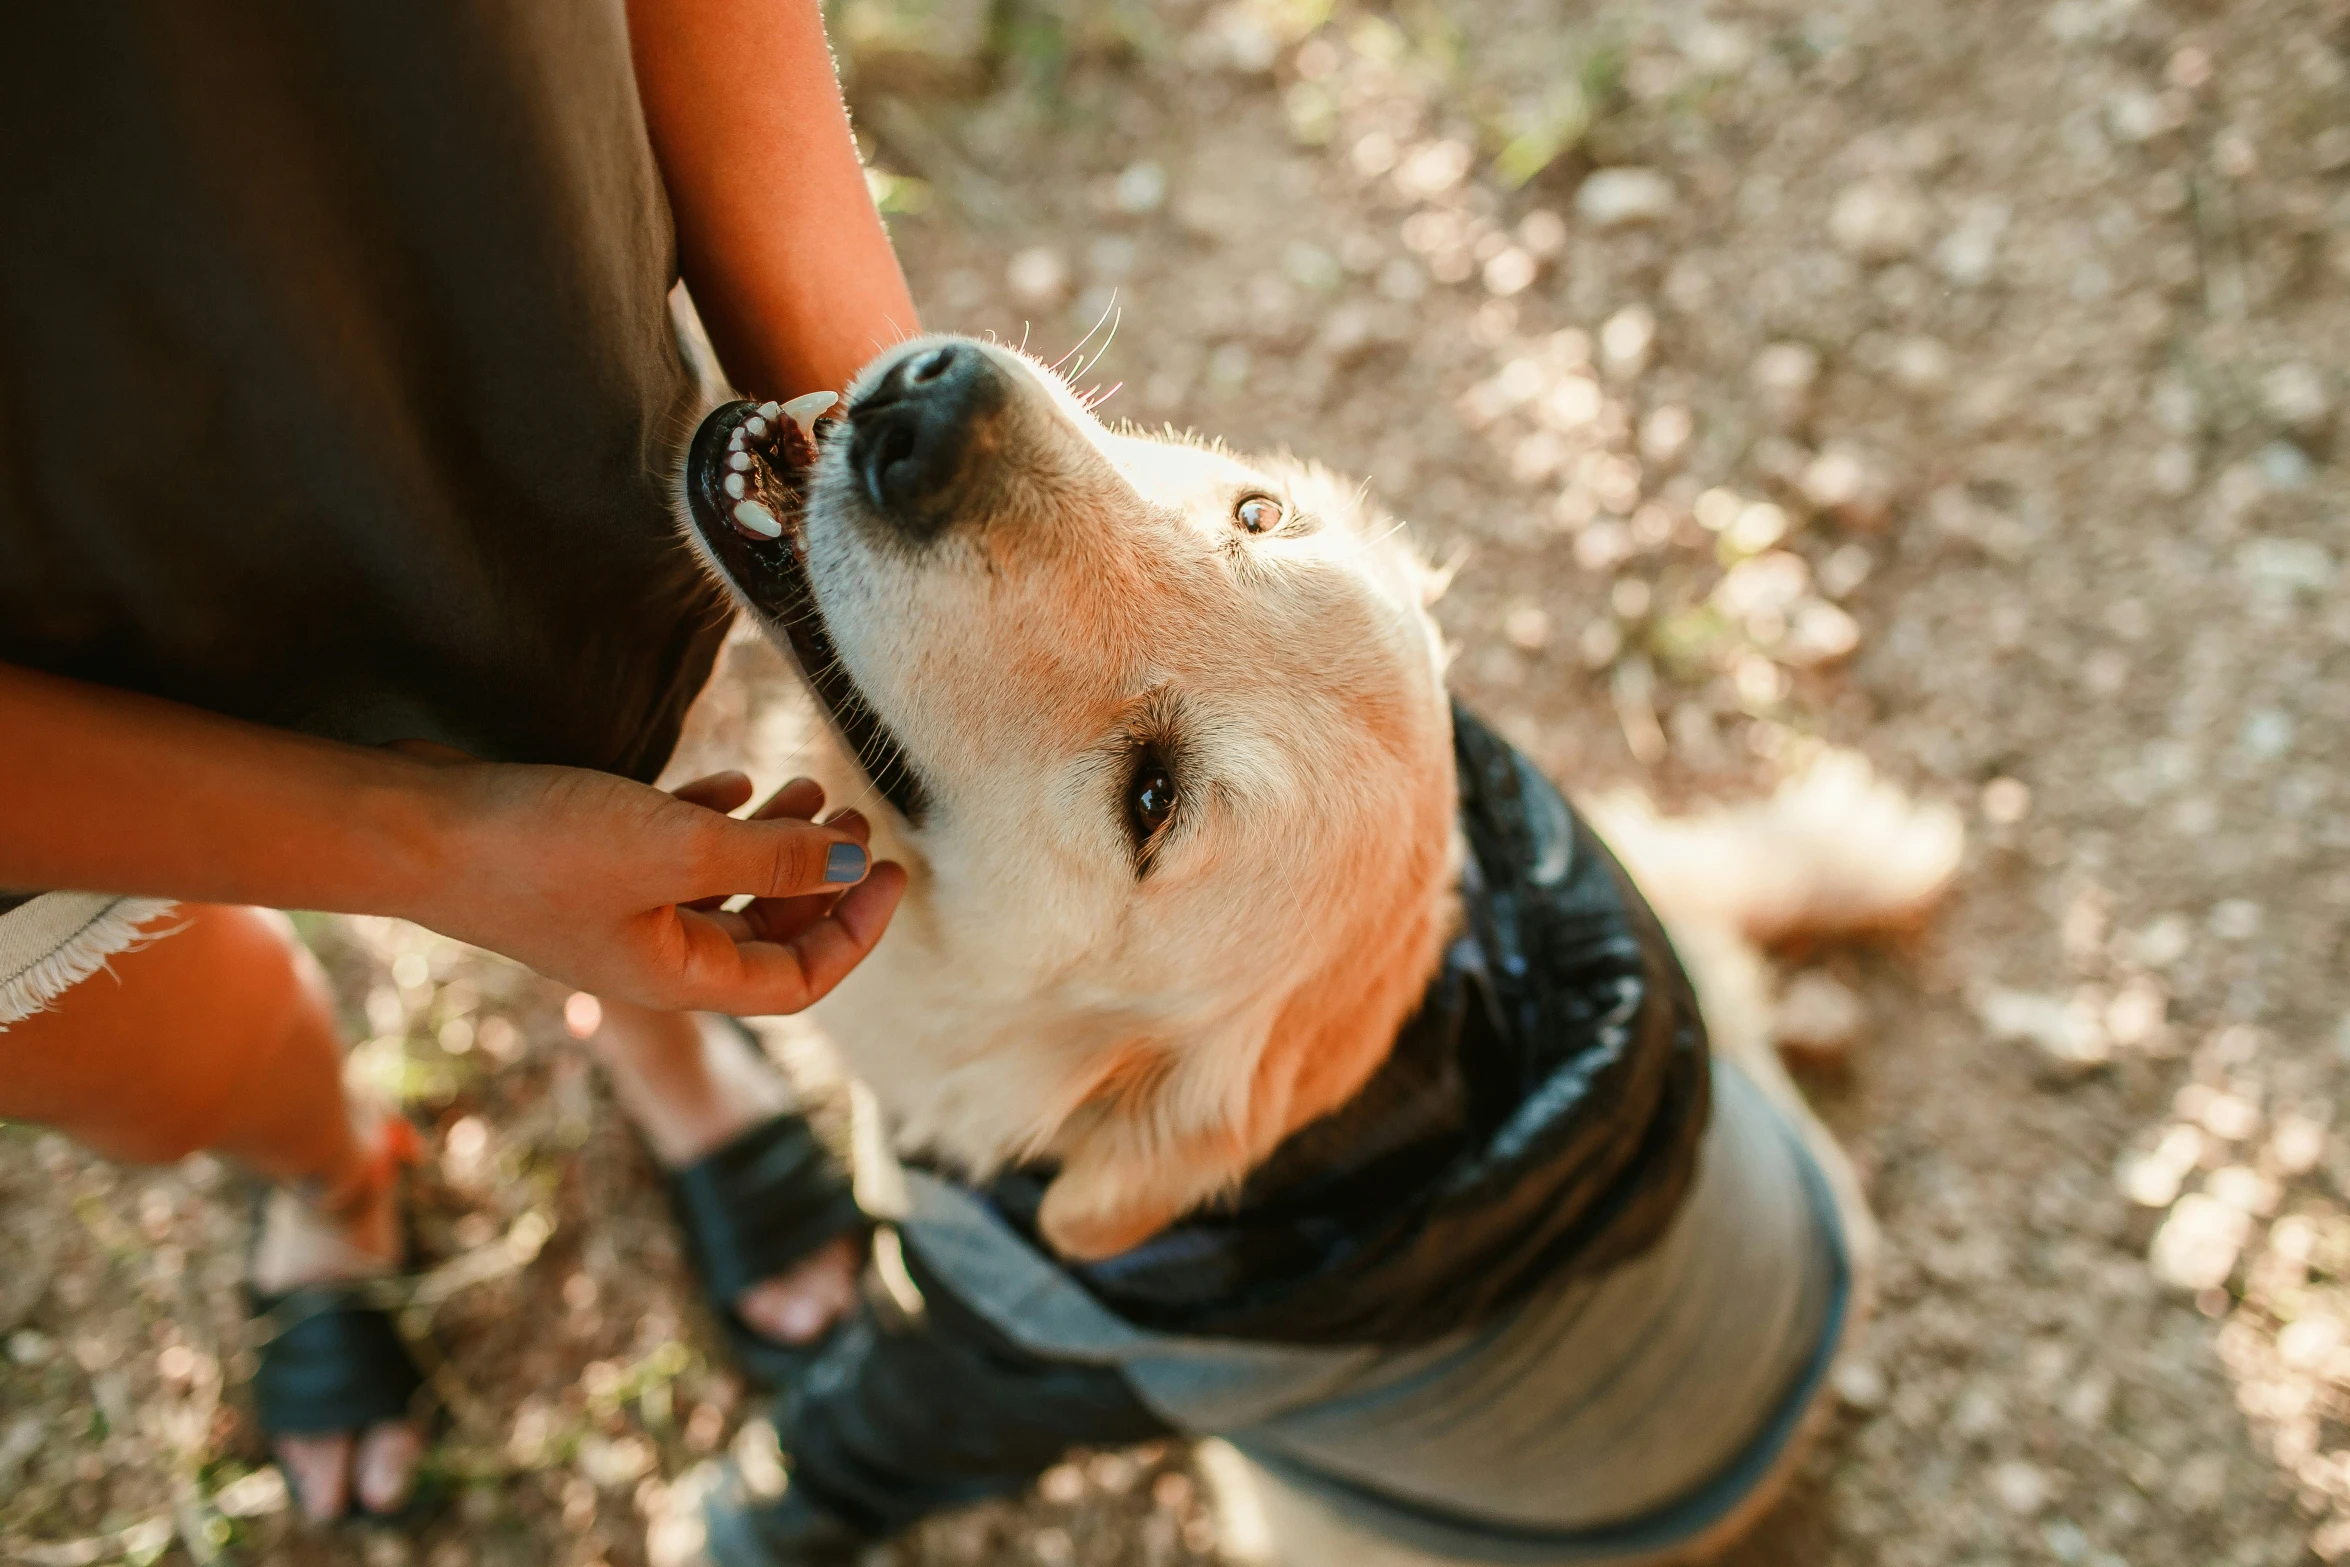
[756,428]
[752,517]
[804,410]
[769,410]
[735,486]
[740,462]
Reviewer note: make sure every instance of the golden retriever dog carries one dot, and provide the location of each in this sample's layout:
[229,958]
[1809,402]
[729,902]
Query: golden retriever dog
[1166,746]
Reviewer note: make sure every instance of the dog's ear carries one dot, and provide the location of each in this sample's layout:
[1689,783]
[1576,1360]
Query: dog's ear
[1162,1125]
[1169,1127]
[1164,1128]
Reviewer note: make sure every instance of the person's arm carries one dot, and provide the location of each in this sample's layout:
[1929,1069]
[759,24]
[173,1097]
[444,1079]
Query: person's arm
[777,236]
[587,877]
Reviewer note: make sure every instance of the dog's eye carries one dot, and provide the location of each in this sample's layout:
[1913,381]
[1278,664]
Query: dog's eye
[1258,513]
[1150,799]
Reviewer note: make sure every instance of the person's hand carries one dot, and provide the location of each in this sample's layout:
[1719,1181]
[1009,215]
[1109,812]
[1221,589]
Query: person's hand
[615,887]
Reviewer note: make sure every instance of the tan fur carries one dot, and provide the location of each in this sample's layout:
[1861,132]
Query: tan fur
[1159,1034]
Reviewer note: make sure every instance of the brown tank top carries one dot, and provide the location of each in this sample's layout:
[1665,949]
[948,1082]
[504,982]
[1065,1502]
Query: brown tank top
[337,383]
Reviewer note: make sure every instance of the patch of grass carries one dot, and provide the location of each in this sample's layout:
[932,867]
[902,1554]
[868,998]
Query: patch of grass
[1536,135]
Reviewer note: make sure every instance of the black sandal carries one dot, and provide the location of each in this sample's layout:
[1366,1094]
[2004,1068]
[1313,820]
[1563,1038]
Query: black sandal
[332,1357]
[751,1210]
[334,1360]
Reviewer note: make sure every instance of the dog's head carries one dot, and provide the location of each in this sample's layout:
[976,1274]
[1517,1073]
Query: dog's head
[1166,733]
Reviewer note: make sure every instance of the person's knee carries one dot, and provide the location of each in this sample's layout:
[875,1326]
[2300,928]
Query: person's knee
[178,1042]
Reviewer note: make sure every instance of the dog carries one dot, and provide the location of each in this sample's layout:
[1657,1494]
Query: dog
[1165,743]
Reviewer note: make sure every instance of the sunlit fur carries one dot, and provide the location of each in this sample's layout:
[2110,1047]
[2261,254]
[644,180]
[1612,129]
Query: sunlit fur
[1156,1024]
[1159,1025]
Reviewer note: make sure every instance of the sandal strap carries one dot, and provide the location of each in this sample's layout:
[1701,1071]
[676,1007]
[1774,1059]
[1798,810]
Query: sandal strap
[760,1204]
[397,1145]
[334,1361]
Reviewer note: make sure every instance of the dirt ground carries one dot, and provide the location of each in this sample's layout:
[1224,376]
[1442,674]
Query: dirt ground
[1960,381]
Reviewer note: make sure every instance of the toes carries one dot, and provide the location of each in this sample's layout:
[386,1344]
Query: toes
[797,1307]
[319,1468]
[385,1468]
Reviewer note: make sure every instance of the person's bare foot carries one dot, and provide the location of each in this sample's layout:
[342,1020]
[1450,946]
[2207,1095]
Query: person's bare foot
[691,1084]
[301,1245]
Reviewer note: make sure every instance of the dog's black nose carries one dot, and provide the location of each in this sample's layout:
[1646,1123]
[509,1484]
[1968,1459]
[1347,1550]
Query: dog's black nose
[913,436]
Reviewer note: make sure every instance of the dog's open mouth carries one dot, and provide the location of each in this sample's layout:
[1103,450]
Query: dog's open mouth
[746,479]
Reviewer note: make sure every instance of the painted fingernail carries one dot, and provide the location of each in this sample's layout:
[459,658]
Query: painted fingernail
[845,863]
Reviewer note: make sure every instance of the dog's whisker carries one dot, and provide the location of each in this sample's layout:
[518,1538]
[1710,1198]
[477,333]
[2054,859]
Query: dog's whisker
[1117,316]
[1108,311]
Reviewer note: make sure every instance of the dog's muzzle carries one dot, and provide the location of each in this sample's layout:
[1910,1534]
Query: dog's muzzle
[916,436]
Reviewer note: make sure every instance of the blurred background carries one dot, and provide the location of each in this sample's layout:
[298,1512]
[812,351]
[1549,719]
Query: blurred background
[1956,380]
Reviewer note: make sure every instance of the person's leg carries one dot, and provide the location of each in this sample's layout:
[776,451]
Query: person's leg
[906,1416]
[691,1084]
[219,1036]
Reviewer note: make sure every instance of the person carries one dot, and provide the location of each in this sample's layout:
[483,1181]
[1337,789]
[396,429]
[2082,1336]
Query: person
[338,393]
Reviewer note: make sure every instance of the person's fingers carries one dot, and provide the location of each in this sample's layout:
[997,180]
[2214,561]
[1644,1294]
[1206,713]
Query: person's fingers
[824,952]
[802,798]
[718,792]
[797,1306]
[773,859]
[318,1468]
[429,751]
[762,978]
[782,919]
[384,1470]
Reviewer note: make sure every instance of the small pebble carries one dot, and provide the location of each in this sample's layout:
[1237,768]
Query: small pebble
[2235,919]
[2197,1246]
[1038,276]
[1818,1019]
[1879,220]
[2069,1032]
[1665,433]
[2295,396]
[1845,570]
[2006,801]
[1616,198]
[1921,364]
[1847,486]
[1626,338]
[2021,1488]
[1969,253]
[1511,271]
[1543,233]
[1818,632]
[2173,469]
[1861,1386]
[1784,374]
[1141,189]
[2284,466]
